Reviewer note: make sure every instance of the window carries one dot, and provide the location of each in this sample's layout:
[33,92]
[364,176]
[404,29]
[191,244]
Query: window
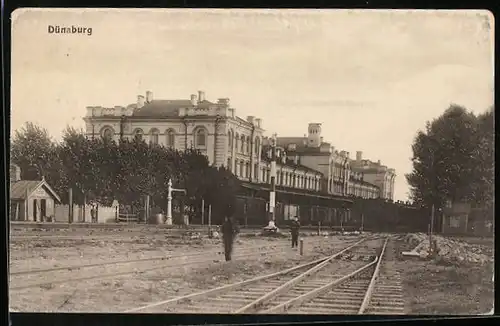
[242,149]
[138,134]
[454,221]
[236,142]
[154,136]
[247,168]
[257,146]
[229,164]
[248,145]
[170,138]
[236,168]
[242,166]
[256,169]
[201,138]
[229,141]
[108,133]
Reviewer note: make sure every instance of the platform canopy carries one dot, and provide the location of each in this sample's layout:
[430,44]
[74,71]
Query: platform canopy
[296,196]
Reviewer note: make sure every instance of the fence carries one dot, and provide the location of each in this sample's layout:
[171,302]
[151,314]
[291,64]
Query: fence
[105,214]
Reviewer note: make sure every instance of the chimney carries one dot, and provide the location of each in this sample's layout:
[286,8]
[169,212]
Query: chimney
[250,119]
[149,97]
[258,122]
[321,140]
[193,99]
[359,156]
[378,162]
[140,101]
[232,112]
[201,96]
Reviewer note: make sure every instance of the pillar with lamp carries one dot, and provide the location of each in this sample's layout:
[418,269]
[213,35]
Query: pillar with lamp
[273,154]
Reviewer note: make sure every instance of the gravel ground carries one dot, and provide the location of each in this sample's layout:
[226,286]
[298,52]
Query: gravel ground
[438,289]
[447,285]
[119,293]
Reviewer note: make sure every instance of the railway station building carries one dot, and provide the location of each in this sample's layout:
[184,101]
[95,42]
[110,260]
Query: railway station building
[307,168]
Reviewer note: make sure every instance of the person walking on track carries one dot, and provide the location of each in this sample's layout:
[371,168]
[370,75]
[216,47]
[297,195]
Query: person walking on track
[295,232]
[228,234]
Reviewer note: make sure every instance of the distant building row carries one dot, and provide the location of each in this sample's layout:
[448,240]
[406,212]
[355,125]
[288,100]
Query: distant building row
[239,144]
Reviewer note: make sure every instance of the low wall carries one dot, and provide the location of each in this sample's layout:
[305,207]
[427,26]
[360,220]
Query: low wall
[81,215]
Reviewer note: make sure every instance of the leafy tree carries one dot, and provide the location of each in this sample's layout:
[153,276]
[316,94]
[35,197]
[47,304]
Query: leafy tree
[101,169]
[34,151]
[485,159]
[448,159]
[77,154]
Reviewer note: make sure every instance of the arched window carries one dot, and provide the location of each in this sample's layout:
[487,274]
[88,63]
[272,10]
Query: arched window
[107,133]
[236,141]
[242,167]
[242,150]
[229,141]
[138,134]
[247,169]
[154,136]
[248,145]
[201,138]
[170,138]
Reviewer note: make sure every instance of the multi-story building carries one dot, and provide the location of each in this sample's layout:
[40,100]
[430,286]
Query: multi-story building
[313,152]
[212,128]
[375,173]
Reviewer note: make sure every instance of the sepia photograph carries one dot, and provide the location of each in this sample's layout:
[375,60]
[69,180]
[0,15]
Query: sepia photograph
[241,161]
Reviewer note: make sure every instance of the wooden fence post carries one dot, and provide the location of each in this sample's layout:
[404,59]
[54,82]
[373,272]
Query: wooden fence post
[70,206]
[202,211]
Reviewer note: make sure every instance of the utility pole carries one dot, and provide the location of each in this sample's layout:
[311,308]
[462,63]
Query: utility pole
[431,229]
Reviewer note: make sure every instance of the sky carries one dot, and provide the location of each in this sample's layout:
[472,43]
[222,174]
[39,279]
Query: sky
[372,78]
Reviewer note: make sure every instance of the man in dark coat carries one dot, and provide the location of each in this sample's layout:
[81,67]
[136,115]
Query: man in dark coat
[228,234]
[295,226]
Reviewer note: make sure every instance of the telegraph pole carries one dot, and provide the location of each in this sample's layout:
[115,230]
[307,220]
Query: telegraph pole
[272,193]
[431,227]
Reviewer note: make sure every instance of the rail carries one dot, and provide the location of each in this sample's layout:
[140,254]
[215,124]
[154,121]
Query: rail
[255,305]
[317,292]
[371,286]
[226,287]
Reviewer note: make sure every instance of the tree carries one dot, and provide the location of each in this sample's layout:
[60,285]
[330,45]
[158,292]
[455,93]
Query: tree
[220,191]
[80,172]
[485,159]
[34,151]
[448,159]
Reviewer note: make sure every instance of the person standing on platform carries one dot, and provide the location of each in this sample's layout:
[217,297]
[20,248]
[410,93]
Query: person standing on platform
[295,232]
[228,234]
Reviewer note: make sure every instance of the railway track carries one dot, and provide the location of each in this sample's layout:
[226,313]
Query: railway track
[341,283]
[21,279]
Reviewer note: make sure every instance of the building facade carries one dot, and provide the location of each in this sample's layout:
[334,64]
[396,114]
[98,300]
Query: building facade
[212,128]
[375,173]
[339,178]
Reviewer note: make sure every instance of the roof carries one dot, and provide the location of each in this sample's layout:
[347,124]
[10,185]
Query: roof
[301,145]
[291,164]
[296,191]
[165,108]
[19,189]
